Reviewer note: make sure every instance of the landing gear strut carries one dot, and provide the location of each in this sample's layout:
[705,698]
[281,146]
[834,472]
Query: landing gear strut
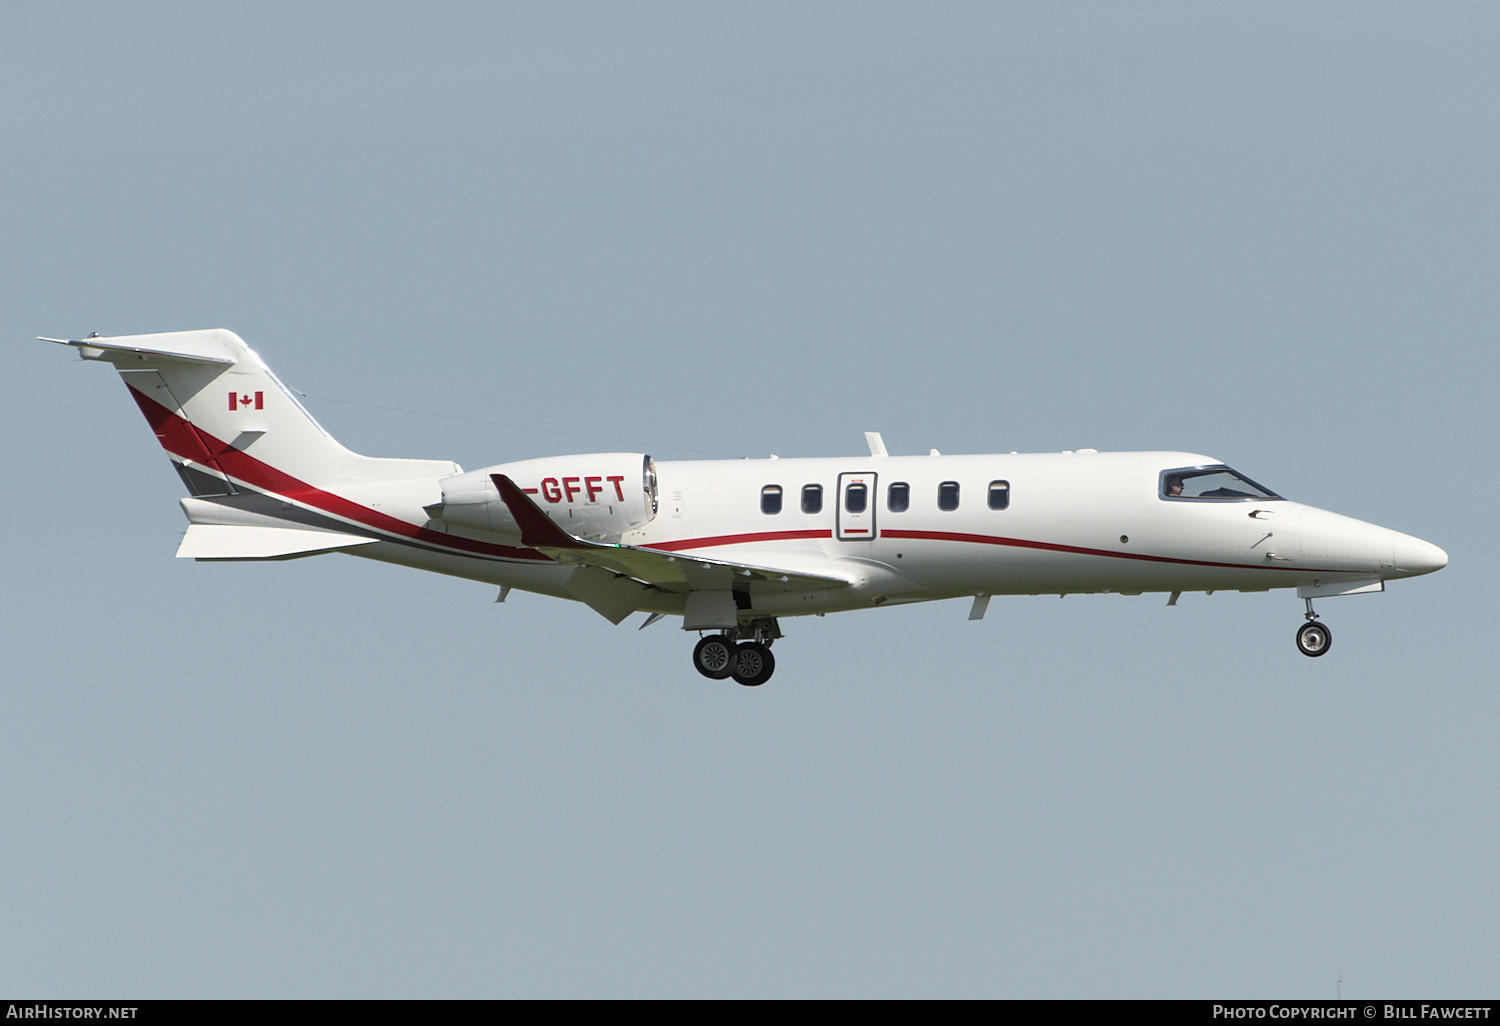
[1313,638]
[743,653]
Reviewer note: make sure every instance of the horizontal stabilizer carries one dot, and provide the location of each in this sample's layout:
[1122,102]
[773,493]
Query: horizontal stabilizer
[193,351]
[223,541]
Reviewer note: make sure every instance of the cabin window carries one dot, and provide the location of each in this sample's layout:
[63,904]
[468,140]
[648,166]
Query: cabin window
[856,498]
[999,494]
[1211,484]
[770,499]
[812,498]
[948,496]
[898,497]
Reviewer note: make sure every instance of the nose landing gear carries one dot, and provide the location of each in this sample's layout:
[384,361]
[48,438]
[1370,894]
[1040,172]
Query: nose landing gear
[1313,638]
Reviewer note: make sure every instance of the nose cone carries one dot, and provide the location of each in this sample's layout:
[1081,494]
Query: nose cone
[1414,556]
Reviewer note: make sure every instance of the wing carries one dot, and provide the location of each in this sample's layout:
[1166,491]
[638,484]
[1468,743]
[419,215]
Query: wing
[666,570]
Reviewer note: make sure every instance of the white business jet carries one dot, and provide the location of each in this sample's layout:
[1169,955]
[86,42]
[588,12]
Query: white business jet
[732,546]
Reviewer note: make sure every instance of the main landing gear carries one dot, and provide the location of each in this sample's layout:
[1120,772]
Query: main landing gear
[749,661]
[1313,638]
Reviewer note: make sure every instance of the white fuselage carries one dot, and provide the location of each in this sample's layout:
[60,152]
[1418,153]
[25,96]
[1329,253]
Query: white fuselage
[1071,523]
[731,544]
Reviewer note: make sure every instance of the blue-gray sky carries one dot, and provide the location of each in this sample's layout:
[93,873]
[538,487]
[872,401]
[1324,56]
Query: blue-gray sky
[1262,231]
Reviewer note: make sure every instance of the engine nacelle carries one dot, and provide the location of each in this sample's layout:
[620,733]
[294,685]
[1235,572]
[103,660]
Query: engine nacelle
[598,496]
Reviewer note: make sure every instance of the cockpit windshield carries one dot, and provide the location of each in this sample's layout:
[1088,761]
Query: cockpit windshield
[1208,484]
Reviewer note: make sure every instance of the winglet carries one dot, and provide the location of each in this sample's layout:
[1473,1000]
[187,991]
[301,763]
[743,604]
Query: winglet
[537,529]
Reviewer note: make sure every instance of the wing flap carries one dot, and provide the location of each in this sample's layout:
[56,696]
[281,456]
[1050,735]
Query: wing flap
[611,596]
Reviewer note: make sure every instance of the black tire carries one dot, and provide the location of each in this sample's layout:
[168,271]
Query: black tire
[754,664]
[715,657]
[1314,639]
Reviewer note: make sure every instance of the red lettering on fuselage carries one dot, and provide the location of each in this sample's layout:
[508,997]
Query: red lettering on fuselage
[555,489]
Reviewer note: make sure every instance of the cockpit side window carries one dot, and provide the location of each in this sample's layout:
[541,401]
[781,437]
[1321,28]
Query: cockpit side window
[1211,484]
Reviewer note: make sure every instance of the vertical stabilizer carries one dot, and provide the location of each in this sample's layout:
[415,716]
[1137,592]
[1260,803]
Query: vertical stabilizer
[227,422]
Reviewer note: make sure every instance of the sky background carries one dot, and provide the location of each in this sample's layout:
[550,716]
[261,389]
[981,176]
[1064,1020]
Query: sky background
[1262,231]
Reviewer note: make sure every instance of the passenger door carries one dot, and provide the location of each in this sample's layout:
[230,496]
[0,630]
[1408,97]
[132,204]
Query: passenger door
[855,516]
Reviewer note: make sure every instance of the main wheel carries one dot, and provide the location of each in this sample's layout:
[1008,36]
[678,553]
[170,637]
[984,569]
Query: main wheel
[715,657]
[1314,638]
[754,665]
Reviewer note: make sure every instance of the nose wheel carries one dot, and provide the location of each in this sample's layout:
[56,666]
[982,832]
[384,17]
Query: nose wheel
[1313,638]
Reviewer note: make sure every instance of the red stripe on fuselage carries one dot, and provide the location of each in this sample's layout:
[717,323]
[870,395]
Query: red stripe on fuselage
[1079,550]
[973,539]
[736,539]
[175,434]
[180,437]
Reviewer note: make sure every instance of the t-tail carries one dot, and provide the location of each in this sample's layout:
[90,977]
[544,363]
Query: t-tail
[259,469]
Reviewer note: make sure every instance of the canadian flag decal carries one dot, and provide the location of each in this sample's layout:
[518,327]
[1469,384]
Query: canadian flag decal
[245,399]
